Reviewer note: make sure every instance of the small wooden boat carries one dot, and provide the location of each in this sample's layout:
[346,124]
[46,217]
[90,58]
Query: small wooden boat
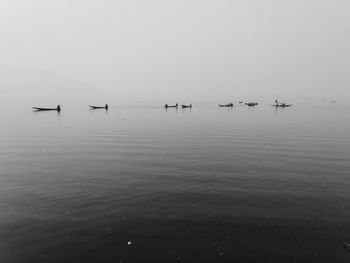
[58,108]
[187,106]
[281,104]
[171,106]
[226,105]
[251,104]
[347,245]
[99,107]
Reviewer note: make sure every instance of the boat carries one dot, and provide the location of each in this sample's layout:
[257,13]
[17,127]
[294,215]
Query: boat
[58,108]
[347,245]
[99,107]
[171,106]
[281,104]
[226,105]
[187,106]
[251,104]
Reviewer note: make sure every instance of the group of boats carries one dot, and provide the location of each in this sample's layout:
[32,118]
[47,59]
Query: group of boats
[249,104]
[58,108]
[229,105]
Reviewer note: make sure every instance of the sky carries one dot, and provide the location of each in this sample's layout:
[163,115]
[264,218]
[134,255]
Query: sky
[173,50]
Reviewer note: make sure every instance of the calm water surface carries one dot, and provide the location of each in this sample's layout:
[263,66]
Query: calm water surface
[147,184]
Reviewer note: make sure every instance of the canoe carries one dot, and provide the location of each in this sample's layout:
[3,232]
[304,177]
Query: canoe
[187,106]
[226,105]
[47,109]
[251,104]
[171,106]
[98,107]
[282,105]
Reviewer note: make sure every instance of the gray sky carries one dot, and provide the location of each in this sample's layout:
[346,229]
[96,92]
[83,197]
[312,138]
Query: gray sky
[160,49]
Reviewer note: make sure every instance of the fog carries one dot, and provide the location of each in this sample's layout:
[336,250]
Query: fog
[173,50]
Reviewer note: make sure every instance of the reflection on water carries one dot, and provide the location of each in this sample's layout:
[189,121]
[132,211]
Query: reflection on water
[151,184]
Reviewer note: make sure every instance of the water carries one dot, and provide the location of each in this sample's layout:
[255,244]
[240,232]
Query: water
[145,184]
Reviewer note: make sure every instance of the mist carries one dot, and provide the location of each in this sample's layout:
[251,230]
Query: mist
[173,50]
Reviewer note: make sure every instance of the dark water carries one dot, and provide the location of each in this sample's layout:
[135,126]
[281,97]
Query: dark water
[201,185]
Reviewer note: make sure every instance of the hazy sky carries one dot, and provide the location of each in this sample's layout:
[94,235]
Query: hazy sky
[160,49]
